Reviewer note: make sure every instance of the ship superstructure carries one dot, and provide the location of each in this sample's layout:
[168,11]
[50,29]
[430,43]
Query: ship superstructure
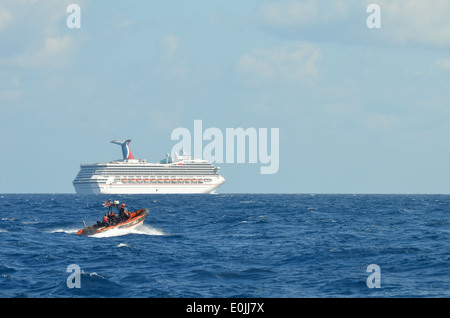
[180,174]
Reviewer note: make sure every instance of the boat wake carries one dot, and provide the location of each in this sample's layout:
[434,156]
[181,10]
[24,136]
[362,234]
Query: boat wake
[141,229]
[61,230]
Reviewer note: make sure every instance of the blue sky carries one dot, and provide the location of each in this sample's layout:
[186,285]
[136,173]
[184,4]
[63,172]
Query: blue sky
[359,110]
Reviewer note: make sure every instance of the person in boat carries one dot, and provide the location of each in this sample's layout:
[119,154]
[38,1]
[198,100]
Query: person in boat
[123,213]
[112,218]
[105,220]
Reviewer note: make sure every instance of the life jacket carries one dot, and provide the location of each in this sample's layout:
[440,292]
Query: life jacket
[105,219]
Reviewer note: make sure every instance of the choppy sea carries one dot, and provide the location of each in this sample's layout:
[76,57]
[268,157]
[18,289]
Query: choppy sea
[228,245]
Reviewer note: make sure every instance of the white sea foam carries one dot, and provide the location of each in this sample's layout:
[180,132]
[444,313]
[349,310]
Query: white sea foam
[60,230]
[147,230]
[141,229]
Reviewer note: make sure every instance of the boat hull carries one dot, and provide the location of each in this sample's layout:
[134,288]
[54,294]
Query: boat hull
[136,218]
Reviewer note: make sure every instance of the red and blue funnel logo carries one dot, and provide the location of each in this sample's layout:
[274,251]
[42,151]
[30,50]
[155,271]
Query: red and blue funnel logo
[125,148]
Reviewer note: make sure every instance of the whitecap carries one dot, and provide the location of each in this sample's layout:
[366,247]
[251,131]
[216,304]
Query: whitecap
[8,219]
[247,202]
[93,274]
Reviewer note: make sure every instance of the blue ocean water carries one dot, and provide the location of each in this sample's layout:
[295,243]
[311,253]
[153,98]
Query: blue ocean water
[228,245]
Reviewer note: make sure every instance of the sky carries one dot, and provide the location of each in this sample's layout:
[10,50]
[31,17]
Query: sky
[359,109]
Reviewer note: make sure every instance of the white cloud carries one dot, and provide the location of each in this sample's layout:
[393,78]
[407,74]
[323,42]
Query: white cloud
[303,13]
[292,62]
[379,122]
[5,18]
[53,53]
[10,95]
[251,65]
[442,64]
[417,21]
[173,65]
[38,32]
[412,22]
[169,44]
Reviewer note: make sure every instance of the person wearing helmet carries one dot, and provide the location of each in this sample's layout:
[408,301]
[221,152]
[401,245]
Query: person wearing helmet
[122,213]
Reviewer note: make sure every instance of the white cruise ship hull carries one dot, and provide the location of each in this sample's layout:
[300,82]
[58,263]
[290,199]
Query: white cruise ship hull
[95,187]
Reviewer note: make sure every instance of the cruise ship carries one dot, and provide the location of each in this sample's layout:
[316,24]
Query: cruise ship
[178,174]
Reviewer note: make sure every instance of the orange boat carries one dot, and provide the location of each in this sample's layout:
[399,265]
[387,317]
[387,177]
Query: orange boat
[134,219]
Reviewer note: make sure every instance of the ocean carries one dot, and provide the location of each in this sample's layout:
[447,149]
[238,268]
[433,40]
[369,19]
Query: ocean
[228,246]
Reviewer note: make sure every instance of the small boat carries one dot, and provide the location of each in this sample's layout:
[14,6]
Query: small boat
[135,218]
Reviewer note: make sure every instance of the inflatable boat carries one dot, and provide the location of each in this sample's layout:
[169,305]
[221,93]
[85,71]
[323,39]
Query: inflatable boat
[133,219]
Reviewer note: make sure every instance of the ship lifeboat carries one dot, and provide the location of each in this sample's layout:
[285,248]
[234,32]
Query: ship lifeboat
[180,180]
[124,180]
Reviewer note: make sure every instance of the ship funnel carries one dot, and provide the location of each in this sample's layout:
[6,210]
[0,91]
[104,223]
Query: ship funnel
[125,148]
